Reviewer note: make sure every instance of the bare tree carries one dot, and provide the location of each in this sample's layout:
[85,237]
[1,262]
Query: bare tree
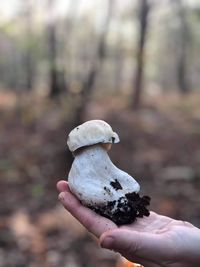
[89,81]
[184,37]
[25,15]
[63,51]
[29,56]
[119,64]
[70,28]
[56,76]
[144,8]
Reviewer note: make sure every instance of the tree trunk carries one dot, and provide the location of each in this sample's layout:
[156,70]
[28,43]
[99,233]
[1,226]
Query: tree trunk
[182,75]
[65,48]
[119,65]
[57,85]
[29,68]
[89,82]
[143,27]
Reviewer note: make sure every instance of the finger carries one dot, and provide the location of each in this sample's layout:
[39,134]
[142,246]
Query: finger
[141,262]
[95,223]
[145,263]
[62,186]
[146,246]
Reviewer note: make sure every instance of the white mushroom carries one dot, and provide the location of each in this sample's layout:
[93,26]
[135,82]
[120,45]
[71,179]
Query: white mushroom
[96,181]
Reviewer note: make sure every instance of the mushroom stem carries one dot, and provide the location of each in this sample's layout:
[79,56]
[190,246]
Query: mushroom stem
[94,179]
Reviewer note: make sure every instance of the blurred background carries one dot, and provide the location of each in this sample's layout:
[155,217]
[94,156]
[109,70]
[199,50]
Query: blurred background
[132,63]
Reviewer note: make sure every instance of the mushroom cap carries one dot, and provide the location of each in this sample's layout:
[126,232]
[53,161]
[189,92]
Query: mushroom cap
[90,133]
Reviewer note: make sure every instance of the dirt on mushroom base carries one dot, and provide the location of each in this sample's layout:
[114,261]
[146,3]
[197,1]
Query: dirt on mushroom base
[158,145]
[127,210]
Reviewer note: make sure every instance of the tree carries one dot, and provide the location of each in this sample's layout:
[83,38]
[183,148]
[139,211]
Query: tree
[56,76]
[28,52]
[144,9]
[184,36]
[89,81]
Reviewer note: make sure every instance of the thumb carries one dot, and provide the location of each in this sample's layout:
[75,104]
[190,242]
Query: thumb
[133,244]
[121,240]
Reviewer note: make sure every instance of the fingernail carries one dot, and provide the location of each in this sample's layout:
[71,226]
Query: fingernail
[61,197]
[107,242]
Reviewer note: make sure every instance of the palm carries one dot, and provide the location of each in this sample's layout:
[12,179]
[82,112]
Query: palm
[153,224]
[163,236]
[152,241]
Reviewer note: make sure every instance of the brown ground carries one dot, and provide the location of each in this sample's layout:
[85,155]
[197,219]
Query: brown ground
[160,147]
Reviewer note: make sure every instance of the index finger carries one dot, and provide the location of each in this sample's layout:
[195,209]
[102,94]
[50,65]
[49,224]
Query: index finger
[62,186]
[94,223]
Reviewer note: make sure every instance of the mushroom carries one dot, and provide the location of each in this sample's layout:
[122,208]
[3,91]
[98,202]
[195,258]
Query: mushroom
[96,181]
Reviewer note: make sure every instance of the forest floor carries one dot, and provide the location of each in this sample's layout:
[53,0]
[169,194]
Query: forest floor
[160,147]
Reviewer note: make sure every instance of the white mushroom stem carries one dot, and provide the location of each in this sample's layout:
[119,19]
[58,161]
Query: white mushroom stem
[95,180]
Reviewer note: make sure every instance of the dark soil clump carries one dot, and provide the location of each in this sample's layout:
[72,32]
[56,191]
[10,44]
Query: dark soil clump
[126,209]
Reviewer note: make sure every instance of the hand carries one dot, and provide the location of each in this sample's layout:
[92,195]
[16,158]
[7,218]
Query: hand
[151,241]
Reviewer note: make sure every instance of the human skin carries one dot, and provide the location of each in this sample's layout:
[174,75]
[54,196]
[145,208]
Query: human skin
[151,241]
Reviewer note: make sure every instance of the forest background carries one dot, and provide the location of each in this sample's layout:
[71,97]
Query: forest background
[134,64]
